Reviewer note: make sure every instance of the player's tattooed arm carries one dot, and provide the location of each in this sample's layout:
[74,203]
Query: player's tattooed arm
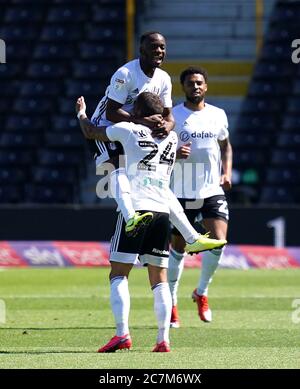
[226,157]
[89,130]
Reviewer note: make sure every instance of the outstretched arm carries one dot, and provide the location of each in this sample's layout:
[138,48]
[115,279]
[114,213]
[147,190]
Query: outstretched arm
[89,130]
[159,124]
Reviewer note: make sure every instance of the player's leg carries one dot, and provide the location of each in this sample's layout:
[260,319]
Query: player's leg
[195,241]
[162,306]
[215,220]
[175,269]
[155,256]
[121,191]
[179,220]
[122,257]
[120,305]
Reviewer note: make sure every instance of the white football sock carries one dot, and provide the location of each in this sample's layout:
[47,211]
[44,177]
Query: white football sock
[120,190]
[180,221]
[210,261]
[176,264]
[162,309]
[120,303]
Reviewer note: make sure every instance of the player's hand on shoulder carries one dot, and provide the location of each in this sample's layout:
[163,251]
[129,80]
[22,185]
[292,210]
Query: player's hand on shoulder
[154,121]
[184,151]
[226,182]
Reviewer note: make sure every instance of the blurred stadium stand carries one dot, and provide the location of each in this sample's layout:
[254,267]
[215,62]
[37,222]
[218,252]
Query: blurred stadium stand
[57,50]
[269,121]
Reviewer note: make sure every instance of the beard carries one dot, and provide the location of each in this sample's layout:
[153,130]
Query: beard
[195,99]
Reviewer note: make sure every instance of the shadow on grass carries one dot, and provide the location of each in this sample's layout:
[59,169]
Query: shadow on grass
[73,328]
[47,352]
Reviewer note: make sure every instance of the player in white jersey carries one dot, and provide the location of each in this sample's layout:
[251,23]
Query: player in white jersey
[140,75]
[205,162]
[149,163]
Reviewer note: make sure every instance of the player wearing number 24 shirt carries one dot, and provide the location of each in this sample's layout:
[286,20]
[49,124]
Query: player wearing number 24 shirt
[149,163]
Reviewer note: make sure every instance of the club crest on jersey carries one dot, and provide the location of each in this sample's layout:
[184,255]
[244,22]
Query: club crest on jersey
[184,136]
[119,84]
[142,134]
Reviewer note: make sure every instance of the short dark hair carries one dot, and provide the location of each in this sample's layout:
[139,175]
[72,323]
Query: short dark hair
[147,34]
[149,104]
[192,70]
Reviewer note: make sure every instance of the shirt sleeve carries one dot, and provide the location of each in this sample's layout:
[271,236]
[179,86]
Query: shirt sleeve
[119,132]
[223,125]
[166,93]
[120,85]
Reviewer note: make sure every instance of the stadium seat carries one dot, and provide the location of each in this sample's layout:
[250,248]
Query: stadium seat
[266,70]
[32,105]
[108,14]
[96,70]
[296,87]
[66,139]
[29,14]
[11,194]
[49,50]
[61,33]
[10,88]
[25,122]
[282,34]
[276,52]
[293,104]
[42,70]
[40,88]
[75,88]
[19,140]
[286,14]
[277,195]
[250,140]
[94,32]
[257,122]
[11,71]
[9,175]
[65,123]
[49,194]
[258,104]
[46,175]
[59,158]
[16,158]
[290,140]
[283,176]
[291,123]
[65,105]
[67,14]
[264,88]
[101,51]
[18,33]
[249,158]
[285,157]
[17,50]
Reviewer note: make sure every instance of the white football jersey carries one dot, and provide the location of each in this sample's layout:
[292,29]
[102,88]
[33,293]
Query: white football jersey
[127,83]
[199,175]
[149,164]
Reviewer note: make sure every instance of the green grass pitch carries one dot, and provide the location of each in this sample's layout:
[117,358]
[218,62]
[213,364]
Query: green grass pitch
[57,318]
